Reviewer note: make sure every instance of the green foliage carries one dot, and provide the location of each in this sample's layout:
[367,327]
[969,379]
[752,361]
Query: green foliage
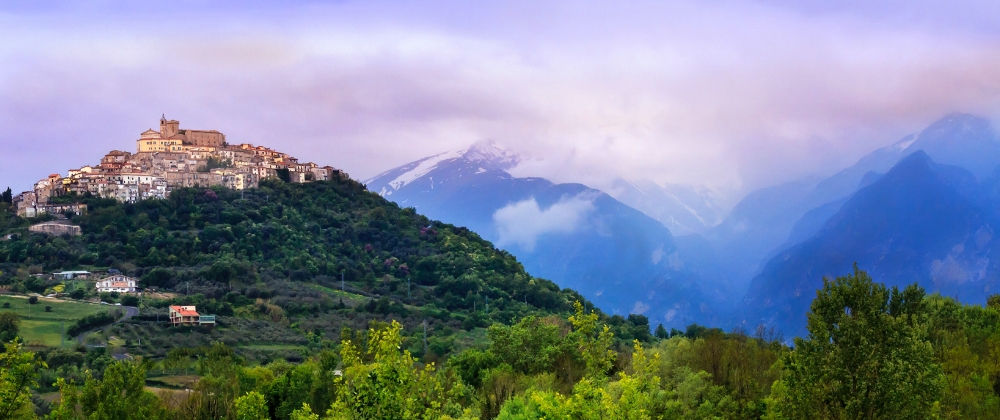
[251,407]
[91,322]
[10,324]
[593,342]
[215,163]
[531,346]
[120,395]
[18,374]
[212,241]
[384,383]
[867,355]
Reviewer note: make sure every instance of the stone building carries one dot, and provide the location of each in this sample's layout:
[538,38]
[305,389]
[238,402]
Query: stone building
[172,138]
[56,227]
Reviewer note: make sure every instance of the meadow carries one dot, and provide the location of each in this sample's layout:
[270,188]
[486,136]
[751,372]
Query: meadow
[41,328]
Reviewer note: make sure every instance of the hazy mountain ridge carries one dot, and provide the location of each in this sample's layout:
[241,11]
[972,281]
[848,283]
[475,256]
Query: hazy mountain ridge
[583,238]
[684,209]
[618,249]
[771,219]
[921,222]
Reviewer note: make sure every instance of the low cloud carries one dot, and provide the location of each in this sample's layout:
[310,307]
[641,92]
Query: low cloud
[730,93]
[523,222]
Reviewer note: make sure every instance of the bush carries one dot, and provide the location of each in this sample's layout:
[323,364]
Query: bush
[90,322]
[77,294]
[6,305]
[33,300]
[130,300]
[48,309]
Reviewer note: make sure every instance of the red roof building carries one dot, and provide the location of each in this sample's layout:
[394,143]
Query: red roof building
[188,315]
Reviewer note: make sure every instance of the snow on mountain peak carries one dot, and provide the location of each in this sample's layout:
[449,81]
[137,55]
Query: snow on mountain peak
[484,154]
[490,153]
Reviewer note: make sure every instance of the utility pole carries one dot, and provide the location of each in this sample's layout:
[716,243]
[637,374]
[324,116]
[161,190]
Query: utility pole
[425,336]
[408,296]
[62,339]
[342,289]
[487,304]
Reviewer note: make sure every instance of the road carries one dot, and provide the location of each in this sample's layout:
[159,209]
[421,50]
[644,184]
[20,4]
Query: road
[130,311]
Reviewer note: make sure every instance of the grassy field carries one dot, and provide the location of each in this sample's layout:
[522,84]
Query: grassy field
[45,328]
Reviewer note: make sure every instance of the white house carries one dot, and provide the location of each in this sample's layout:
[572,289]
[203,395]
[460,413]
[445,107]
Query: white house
[117,283]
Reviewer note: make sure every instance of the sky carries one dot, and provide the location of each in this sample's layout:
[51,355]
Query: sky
[732,95]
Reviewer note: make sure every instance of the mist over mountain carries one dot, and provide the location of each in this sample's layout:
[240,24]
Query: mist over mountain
[579,237]
[919,210]
[684,209]
[772,219]
[921,222]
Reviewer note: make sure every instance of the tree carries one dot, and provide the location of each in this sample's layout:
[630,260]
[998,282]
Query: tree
[10,325]
[390,386]
[530,347]
[121,394]
[251,407]
[593,342]
[661,332]
[18,374]
[866,356]
[7,196]
[33,300]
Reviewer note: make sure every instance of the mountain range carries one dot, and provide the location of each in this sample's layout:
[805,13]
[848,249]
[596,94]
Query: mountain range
[582,238]
[918,210]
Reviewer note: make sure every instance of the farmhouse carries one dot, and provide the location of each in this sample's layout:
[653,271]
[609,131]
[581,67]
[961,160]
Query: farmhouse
[117,283]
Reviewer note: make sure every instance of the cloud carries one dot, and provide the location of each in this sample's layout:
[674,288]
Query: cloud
[734,94]
[522,223]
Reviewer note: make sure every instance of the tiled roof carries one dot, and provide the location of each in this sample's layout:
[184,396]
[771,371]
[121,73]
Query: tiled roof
[183,312]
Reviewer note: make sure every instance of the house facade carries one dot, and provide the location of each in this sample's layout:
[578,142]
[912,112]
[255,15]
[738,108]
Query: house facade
[188,316]
[117,283]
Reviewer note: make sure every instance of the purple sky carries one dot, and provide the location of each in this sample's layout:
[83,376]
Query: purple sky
[730,94]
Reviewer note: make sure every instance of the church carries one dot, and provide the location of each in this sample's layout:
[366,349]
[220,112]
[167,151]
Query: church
[171,138]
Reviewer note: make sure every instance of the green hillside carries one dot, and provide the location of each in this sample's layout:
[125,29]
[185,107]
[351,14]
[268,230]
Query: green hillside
[276,255]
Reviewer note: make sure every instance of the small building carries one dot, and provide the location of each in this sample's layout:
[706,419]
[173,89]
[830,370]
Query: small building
[56,227]
[189,316]
[117,283]
[70,275]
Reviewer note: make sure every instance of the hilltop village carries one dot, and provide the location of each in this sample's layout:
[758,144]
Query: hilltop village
[169,158]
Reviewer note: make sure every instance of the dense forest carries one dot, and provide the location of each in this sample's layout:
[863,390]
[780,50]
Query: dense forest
[499,343]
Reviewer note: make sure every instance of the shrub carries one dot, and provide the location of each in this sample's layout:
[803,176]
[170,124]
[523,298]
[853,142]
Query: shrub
[90,322]
[33,300]
[48,309]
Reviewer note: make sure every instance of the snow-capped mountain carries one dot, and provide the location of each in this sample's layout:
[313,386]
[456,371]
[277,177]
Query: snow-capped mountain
[579,237]
[486,154]
[683,209]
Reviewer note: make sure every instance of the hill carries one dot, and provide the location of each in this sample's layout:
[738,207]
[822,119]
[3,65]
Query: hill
[276,255]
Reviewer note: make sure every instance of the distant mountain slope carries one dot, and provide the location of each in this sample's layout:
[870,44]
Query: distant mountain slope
[771,219]
[683,209]
[582,238]
[920,222]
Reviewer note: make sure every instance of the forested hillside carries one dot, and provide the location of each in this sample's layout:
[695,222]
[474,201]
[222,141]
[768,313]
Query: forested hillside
[280,253]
